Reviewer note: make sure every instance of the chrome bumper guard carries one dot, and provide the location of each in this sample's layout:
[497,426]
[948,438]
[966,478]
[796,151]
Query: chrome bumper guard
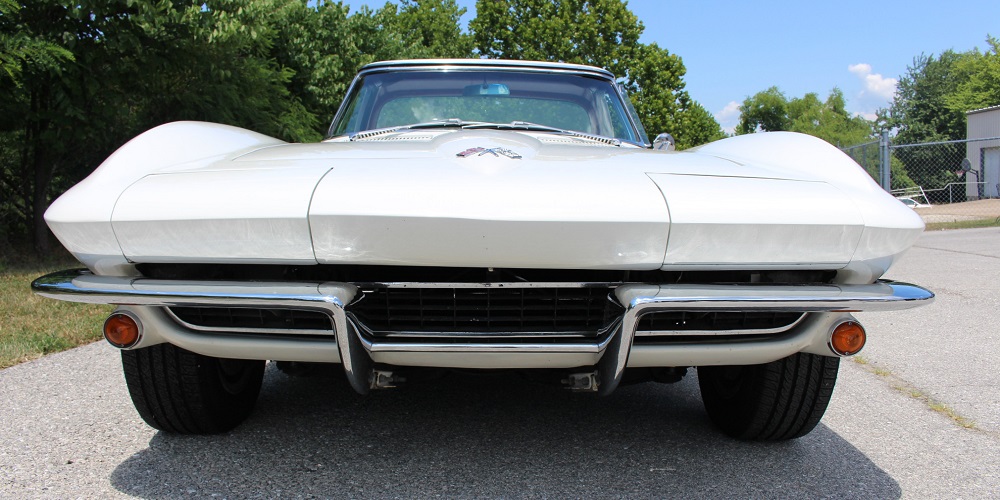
[356,353]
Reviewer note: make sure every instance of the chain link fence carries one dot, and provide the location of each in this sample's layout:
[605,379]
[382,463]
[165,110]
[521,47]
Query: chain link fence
[946,181]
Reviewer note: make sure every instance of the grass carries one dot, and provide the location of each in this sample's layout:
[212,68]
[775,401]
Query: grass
[32,326]
[963,224]
[904,387]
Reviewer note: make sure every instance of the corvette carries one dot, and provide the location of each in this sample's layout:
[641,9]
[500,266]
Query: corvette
[473,214]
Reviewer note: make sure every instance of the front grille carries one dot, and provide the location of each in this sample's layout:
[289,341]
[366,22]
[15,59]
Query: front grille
[250,319]
[496,312]
[585,311]
[722,321]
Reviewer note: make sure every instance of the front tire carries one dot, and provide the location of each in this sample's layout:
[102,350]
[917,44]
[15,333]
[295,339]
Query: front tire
[178,391]
[776,401]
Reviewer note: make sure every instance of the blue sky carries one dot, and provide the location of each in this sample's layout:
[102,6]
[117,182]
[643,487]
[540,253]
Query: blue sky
[734,49]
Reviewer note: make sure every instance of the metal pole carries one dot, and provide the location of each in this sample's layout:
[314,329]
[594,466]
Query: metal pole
[885,160]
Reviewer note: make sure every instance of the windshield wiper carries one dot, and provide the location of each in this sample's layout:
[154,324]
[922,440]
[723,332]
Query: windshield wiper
[537,127]
[450,122]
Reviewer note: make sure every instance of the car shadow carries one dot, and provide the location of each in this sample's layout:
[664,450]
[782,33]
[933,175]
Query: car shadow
[493,434]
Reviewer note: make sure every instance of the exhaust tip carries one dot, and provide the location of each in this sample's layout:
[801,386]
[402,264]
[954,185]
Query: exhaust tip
[848,338]
[122,330]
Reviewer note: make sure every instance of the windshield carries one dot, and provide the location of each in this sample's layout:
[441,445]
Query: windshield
[565,101]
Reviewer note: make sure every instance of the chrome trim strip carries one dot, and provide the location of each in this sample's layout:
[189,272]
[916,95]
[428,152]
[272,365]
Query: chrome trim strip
[581,334]
[879,296]
[478,335]
[483,63]
[81,286]
[502,284]
[641,299]
[229,329]
[708,333]
[463,65]
[447,65]
[161,328]
[575,347]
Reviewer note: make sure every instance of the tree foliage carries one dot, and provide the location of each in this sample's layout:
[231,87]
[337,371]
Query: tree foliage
[434,26]
[603,33]
[919,112]
[930,105]
[766,110]
[978,79]
[80,78]
[769,111]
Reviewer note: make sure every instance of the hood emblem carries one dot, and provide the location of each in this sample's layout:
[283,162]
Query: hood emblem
[493,151]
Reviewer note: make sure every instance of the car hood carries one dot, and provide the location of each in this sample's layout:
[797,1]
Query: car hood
[507,199]
[475,147]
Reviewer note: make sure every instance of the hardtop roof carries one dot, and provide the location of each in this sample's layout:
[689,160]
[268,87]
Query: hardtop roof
[487,63]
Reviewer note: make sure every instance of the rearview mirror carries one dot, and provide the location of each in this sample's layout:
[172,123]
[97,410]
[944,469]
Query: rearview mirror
[486,89]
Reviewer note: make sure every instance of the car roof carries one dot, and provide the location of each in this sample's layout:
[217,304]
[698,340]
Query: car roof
[486,63]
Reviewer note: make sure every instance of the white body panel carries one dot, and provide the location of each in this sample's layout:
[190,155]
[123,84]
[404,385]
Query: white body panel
[760,201]
[81,217]
[746,223]
[489,211]
[218,216]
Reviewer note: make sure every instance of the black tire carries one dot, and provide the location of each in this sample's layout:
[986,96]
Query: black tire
[781,400]
[178,391]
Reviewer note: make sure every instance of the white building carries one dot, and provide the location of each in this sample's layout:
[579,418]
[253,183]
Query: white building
[984,155]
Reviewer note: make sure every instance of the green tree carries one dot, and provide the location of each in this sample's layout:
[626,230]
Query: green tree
[765,111]
[603,33]
[434,24]
[82,77]
[324,46]
[770,111]
[920,113]
[655,83]
[130,65]
[978,79]
[19,47]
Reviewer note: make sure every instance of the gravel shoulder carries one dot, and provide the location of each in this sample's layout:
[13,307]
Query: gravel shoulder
[966,210]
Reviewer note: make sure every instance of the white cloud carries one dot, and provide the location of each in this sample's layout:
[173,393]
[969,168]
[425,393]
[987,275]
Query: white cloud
[876,85]
[730,112]
[728,117]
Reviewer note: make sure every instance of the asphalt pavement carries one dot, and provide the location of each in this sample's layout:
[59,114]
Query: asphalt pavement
[894,427]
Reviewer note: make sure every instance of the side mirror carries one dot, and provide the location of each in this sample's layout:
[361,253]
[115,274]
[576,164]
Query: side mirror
[664,142]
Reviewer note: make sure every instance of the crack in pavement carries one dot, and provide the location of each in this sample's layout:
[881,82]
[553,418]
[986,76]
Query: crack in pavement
[957,251]
[908,389]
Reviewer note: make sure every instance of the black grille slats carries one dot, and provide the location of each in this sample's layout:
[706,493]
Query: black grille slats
[498,311]
[494,309]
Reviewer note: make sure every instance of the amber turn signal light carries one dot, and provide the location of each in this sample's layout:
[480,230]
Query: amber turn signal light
[121,330]
[848,338]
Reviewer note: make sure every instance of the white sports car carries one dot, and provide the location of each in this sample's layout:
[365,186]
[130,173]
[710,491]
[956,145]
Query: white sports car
[483,215]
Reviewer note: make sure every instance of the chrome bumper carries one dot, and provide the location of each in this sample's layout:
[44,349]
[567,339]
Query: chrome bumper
[356,353]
